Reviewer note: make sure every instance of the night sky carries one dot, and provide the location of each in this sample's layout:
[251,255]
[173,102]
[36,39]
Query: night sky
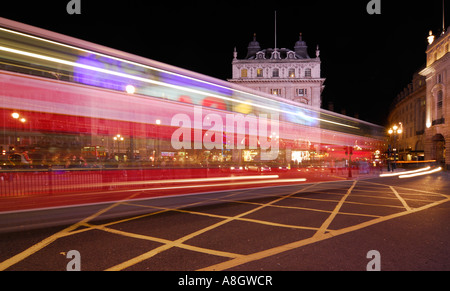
[366,59]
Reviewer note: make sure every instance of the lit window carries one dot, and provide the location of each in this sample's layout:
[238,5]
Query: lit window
[291,73]
[275,92]
[259,73]
[244,73]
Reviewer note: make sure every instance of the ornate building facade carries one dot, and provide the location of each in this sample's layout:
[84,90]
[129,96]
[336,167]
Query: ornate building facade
[437,74]
[290,74]
[408,112]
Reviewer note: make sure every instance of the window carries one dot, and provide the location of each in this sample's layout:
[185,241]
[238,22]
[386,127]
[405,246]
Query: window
[275,73]
[291,73]
[439,104]
[259,73]
[308,73]
[301,92]
[275,92]
[244,73]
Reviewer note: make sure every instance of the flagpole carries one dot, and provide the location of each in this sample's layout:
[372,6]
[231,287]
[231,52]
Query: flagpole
[275,48]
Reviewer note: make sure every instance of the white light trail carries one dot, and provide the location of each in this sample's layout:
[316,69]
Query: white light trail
[421,173]
[405,173]
[146,80]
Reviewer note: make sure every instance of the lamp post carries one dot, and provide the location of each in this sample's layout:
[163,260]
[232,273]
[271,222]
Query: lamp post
[118,138]
[394,131]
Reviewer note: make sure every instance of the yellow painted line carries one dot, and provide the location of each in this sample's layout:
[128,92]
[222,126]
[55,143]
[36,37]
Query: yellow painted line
[165,247]
[45,242]
[264,222]
[294,245]
[409,189]
[180,241]
[401,199]
[304,208]
[165,241]
[371,204]
[330,218]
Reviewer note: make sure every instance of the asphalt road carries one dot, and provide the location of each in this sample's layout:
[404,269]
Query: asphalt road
[319,226]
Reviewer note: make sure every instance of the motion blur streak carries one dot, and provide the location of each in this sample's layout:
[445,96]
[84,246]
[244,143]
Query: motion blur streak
[178,181]
[100,121]
[421,173]
[405,173]
[118,74]
[279,181]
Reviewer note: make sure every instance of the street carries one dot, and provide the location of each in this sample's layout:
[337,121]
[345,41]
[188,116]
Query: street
[317,226]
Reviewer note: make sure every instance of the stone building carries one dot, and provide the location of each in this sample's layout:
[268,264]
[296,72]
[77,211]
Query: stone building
[408,113]
[437,74]
[286,73]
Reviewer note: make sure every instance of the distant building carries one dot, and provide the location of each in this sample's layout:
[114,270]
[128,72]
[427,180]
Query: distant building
[437,74]
[408,112]
[290,74]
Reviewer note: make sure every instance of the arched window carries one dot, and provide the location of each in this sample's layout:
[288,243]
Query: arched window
[439,104]
[308,73]
[291,73]
[244,73]
[275,73]
[259,73]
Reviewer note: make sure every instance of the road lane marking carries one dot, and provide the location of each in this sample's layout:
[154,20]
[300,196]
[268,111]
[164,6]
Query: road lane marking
[181,240]
[330,218]
[409,189]
[294,245]
[237,259]
[166,241]
[401,199]
[45,242]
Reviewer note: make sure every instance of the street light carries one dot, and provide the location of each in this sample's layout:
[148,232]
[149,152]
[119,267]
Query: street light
[395,131]
[118,138]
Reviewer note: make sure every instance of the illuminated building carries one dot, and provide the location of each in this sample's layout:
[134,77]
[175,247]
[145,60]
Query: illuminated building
[437,132]
[290,74]
[408,110]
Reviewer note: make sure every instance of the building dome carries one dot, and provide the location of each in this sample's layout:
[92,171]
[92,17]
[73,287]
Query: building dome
[253,48]
[301,49]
